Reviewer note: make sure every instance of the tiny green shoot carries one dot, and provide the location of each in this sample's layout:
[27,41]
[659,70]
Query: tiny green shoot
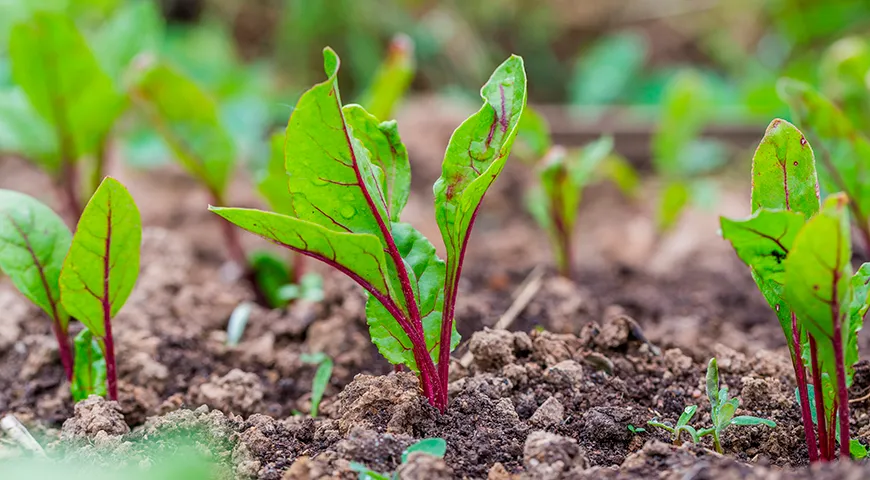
[89,372]
[635,430]
[321,377]
[237,323]
[102,265]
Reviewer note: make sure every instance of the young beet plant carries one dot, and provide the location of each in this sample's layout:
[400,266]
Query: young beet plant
[722,410]
[799,255]
[349,179]
[87,276]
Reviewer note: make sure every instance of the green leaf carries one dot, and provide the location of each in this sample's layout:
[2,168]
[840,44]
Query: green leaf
[784,171]
[23,132]
[321,378]
[604,72]
[690,430]
[817,279]
[843,72]
[672,201]
[687,415]
[387,151]
[436,447]
[271,274]
[188,120]
[619,171]
[533,136]
[103,261]
[89,371]
[857,449]
[712,383]
[475,157]
[358,255]
[725,414]
[858,306]
[33,244]
[365,473]
[63,81]
[749,420]
[656,423]
[845,151]
[136,27]
[427,279]
[392,78]
[763,241]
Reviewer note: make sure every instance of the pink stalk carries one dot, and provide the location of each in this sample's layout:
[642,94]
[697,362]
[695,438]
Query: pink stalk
[63,344]
[109,354]
[842,392]
[824,444]
[800,376]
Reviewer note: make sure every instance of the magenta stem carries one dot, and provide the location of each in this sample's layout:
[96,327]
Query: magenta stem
[800,376]
[63,344]
[822,419]
[842,391]
[111,372]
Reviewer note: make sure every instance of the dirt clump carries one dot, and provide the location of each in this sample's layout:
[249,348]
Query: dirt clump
[550,456]
[422,466]
[93,415]
[237,392]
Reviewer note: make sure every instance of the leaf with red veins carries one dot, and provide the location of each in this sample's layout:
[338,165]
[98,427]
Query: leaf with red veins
[475,157]
[102,265]
[784,171]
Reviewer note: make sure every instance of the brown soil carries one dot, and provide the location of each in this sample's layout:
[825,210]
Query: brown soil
[552,398]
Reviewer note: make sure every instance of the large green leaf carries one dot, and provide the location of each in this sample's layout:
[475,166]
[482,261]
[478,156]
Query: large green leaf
[817,280]
[187,118]
[103,261]
[387,151]
[428,284]
[358,255]
[474,158]
[24,132]
[33,243]
[845,151]
[136,27]
[843,73]
[784,171]
[89,372]
[392,78]
[54,66]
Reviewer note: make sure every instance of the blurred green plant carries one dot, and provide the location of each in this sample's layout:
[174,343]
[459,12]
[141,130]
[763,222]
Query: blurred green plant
[680,155]
[436,447]
[321,377]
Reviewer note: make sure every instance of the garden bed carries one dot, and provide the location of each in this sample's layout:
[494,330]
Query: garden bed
[553,398]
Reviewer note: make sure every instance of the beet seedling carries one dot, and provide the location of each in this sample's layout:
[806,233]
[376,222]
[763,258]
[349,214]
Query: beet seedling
[349,179]
[800,258]
[102,265]
[33,243]
[321,377]
[89,372]
[563,174]
[681,426]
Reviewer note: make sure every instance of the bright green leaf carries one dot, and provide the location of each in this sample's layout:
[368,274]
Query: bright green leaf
[321,378]
[857,449]
[749,420]
[272,181]
[103,261]
[672,201]
[33,244]
[23,132]
[687,415]
[436,447]
[712,383]
[187,119]
[89,371]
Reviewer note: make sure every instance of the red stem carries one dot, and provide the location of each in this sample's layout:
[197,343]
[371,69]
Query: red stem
[842,390]
[298,267]
[821,418]
[800,376]
[832,431]
[109,354]
[63,344]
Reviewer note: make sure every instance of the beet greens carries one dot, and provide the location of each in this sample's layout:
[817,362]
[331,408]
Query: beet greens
[800,256]
[349,179]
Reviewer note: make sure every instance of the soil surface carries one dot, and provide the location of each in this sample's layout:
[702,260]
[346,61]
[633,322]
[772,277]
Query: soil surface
[553,396]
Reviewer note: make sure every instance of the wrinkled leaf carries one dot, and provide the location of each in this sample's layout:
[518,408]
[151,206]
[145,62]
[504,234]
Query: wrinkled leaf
[89,371]
[474,158]
[392,78]
[33,243]
[188,121]
[63,81]
[102,265]
[436,447]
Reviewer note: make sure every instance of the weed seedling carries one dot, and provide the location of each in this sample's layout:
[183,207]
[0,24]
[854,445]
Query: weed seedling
[722,410]
[349,179]
[436,447]
[33,243]
[102,265]
[635,430]
[321,377]
[800,258]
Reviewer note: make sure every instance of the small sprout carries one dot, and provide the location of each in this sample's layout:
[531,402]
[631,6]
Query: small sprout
[436,447]
[238,321]
[310,288]
[636,430]
[722,414]
[102,265]
[321,377]
[857,449]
